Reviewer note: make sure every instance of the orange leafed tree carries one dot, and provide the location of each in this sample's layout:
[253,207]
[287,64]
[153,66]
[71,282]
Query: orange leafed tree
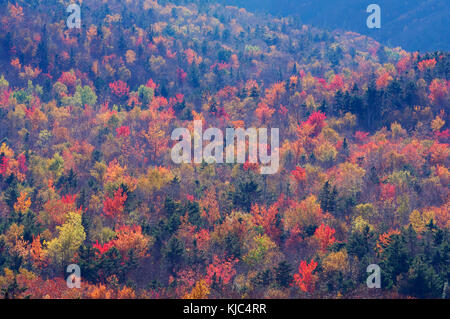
[274,93]
[209,207]
[383,80]
[438,91]
[403,64]
[16,12]
[439,153]
[23,203]
[37,253]
[57,209]
[385,239]
[264,113]
[427,65]
[131,237]
[267,218]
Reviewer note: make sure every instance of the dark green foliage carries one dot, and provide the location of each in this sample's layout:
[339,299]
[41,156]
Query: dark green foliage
[361,244]
[247,191]
[174,254]
[327,198]
[283,275]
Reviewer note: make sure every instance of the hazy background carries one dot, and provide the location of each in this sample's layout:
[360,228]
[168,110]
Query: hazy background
[413,24]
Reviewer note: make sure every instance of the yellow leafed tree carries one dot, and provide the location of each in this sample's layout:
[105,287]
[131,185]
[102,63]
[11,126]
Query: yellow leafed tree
[200,291]
[23,203]
[419,221]
[71,236]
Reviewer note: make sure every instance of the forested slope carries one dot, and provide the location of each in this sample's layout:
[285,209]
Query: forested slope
[86,175]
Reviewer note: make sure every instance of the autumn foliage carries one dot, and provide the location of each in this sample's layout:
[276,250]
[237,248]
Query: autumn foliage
[305,280]
[87,122]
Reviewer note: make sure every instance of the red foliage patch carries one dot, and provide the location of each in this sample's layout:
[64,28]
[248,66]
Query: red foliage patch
[119,88]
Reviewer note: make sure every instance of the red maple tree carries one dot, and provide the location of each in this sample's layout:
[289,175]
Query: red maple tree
[325,236]
[119,88]
[113,207]
[304,279]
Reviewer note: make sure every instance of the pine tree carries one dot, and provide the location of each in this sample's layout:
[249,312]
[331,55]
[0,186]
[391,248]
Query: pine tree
[327,198]
[283,275]
[174,254]
[42,51]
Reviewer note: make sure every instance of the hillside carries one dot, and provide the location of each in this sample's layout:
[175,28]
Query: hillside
[412,24]
[88,176]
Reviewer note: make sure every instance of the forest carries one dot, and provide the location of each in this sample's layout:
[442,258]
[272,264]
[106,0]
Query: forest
[87,179]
